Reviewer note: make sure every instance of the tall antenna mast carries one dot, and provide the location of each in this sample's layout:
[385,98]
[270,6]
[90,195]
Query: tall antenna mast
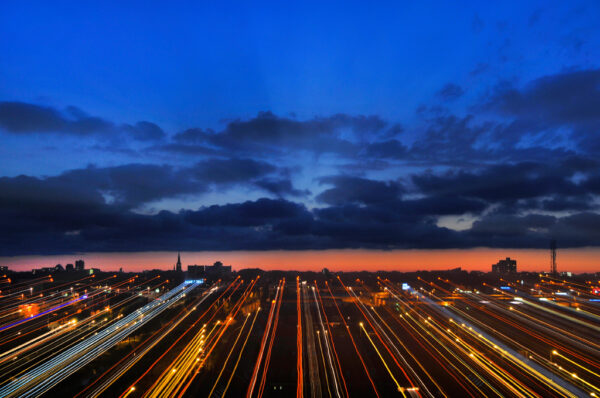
[553,257]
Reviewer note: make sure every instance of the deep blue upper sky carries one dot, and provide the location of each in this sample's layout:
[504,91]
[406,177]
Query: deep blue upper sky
[274,125]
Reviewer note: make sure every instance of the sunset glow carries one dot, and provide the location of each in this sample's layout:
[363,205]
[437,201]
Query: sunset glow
[574,260]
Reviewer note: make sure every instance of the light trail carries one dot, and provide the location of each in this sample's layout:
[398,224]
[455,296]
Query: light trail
[212,344]
[353,342]
[269,350]
[178,376]
[229,355]
[439,388]
[327,347]
[566,389]
[324,363]
[50,373]
[234,284]
[299,370]
[377,328]
[43,313]
[330,335]
[311,349]
[138,352]
[263,344]
[240,354]
[400,388]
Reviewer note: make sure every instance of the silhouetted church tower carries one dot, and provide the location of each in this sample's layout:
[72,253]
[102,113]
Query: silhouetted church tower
[178,265]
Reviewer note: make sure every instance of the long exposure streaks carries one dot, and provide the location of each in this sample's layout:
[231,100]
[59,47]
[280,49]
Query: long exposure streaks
[333,335]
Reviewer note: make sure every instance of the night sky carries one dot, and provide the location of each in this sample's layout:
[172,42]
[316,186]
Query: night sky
[271,126]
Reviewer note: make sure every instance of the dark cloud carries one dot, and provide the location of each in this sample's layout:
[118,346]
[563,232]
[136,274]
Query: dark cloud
[247,214]
[557,204]
[526,175]
[449,138]
[504,182]
[280,187]
[25,118]
[223,171]
[389,149]
[450,92]
[51,223]
[21,118]
[569,100]
[193,136]
[268,133]
[358,190]
[565,98]
[145,131]
[443,205]
[132,185]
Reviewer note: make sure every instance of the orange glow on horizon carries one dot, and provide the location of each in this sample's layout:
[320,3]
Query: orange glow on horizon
[574,260]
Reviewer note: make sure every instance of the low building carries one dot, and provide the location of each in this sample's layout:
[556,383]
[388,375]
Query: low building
[217,270]
[79,265]
[380,298]
[506,266]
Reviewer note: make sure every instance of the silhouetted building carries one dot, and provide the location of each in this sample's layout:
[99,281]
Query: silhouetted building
[505,266]
[79,265]
[3,268]
[178,265]
[69,267]
[58,268]
[209,271]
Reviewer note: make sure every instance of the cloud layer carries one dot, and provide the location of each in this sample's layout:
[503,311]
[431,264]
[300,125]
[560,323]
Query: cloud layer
[516,170]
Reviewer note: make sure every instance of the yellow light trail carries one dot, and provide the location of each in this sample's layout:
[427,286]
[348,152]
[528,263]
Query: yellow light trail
[240,354]
[234,284]
[382,360]
[556,353]
[263,344]
[441,391]
[229,355]
[299,370]
[352,339]
[273,334]
[213,343]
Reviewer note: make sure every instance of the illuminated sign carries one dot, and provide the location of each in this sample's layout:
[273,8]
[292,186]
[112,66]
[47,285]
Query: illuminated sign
[405,286]
[505,287]
[190,281]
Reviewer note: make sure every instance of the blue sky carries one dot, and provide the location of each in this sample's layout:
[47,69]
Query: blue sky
[340,124]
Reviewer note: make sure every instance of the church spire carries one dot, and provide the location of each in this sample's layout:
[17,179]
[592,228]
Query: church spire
[178,265]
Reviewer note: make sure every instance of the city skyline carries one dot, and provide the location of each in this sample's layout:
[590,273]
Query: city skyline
[351,260]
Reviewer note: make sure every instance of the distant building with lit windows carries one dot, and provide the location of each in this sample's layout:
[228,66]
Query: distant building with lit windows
[79,265]
[210,271]
[506,266]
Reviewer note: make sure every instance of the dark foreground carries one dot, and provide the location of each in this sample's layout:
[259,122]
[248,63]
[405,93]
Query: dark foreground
[254,333]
